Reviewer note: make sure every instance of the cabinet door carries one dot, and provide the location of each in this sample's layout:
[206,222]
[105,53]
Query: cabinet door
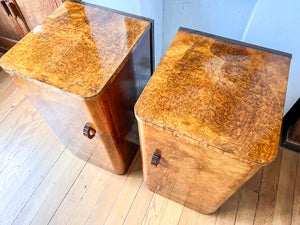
[18,17]
[12,24]
[200,177]
[36,11]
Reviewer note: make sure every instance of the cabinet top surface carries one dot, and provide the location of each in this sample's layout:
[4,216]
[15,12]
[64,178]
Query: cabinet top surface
[79,48]
[225,94]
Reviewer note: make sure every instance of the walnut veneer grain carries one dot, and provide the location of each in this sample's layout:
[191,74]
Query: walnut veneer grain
[78,49]
[212,110]
[87,64]
[219,93]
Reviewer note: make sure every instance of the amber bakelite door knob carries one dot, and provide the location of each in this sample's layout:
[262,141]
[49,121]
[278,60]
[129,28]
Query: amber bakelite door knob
[155,159]
[88,131]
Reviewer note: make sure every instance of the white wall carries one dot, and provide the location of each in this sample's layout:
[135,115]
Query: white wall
[226,18]
[130,6]
[276,24]
[153,9]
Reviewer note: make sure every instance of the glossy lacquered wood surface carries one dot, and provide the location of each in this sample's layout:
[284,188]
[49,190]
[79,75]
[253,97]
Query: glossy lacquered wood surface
[212,111]
[223,94]
[86,65]
[201,178]
[79,48]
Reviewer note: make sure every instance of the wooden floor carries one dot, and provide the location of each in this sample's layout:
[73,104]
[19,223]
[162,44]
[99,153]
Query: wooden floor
[41,182]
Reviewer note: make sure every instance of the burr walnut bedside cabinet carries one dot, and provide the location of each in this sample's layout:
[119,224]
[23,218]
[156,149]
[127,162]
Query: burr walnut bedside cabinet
[83,69]
[210,117]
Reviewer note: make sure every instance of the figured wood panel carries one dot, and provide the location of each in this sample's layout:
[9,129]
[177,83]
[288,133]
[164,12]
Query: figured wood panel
[100,90]
[219,92]
[58,45]
[66,115]
[197,178]
[111,114]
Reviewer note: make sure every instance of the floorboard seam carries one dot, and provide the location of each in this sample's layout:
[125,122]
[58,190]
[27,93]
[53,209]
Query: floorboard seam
[38,185]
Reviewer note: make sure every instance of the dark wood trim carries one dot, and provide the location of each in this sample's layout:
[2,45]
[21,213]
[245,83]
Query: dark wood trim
[289,126]
[113,10]
[152,48]
[6,44]
[245,44]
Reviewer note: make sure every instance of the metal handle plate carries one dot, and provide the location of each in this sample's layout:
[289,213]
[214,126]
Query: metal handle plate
[155,159]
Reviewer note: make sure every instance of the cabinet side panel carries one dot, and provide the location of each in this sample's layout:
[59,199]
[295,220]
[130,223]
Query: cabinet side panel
[197,177]
[66,115]
[102,124]
[116,103]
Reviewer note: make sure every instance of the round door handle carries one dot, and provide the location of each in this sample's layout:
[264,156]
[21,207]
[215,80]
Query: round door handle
[88,131]
[155,159]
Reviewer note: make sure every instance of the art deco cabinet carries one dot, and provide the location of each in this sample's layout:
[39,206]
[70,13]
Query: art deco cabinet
[210,117]
[83,69]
